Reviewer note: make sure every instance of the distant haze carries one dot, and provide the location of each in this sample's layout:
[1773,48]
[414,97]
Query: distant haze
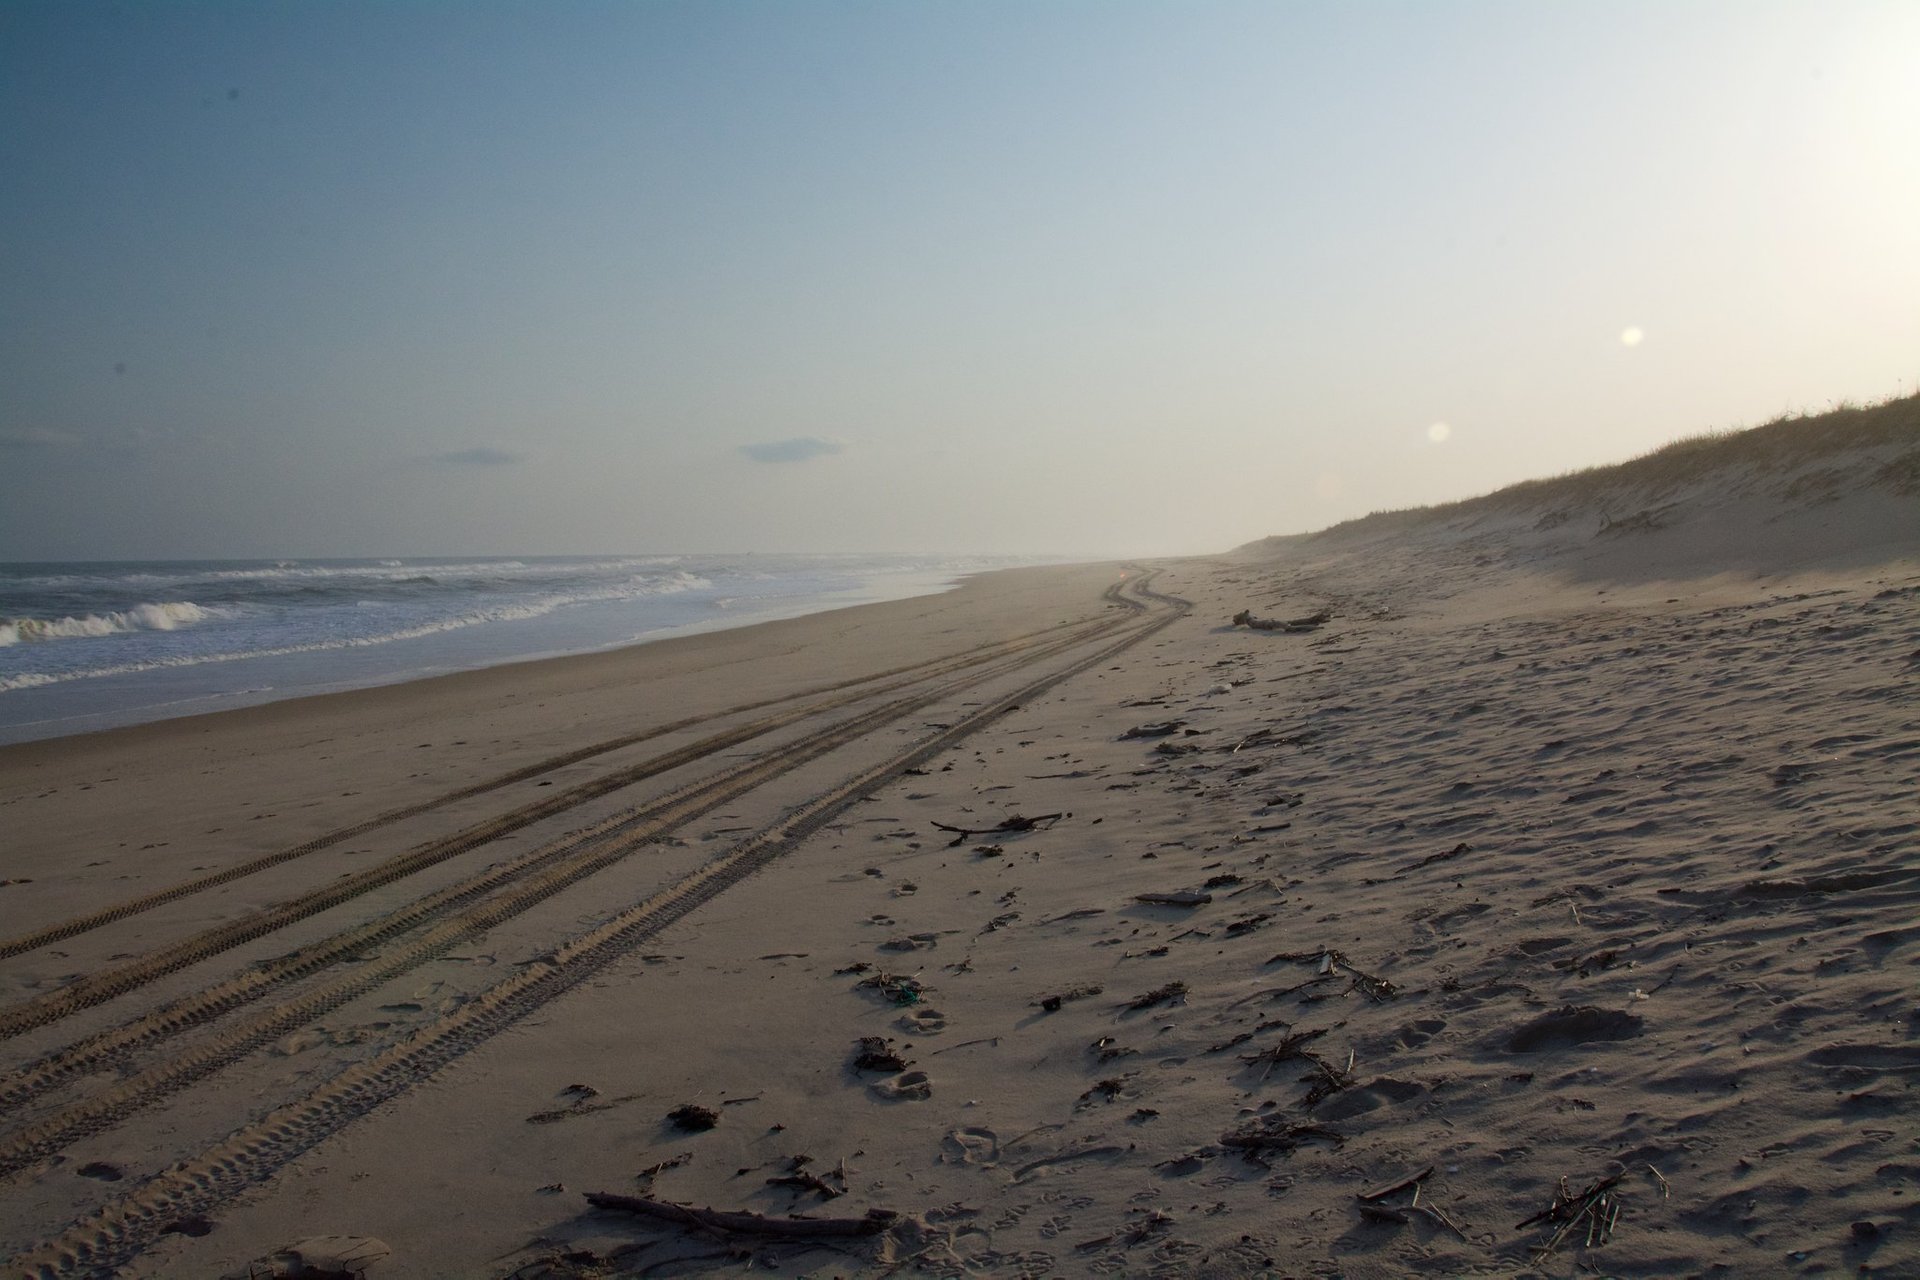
[334,278]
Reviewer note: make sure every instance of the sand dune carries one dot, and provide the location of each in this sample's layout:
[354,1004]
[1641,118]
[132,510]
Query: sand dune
[1549,908]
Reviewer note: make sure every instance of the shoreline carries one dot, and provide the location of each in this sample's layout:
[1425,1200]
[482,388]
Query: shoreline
[592,664]
[876,591]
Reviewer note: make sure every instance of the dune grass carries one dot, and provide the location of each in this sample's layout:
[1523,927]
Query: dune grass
[1777,447]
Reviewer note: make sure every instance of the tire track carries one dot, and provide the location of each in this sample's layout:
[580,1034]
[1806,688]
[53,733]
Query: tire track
[561,863]
[77,925]
[101,986]
[113,1104]
[120,1230]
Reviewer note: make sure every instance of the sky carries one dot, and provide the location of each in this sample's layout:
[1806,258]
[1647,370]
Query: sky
[338,278]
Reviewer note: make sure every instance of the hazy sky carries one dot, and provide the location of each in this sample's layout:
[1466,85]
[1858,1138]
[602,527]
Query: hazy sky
[333,278]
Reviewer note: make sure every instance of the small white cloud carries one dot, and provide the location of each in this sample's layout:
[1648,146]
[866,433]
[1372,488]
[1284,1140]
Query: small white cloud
[39,438]
[1439,433]
[1632,335]
[798,449]
[477,457]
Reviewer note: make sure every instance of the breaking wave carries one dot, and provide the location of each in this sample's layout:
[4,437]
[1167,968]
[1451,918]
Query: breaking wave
[142,617]
[673,584]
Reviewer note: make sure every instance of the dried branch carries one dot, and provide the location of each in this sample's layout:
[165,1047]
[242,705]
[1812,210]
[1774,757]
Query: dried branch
[1015,823]
[875,1222]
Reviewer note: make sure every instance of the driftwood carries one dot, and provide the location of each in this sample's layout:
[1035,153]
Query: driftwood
[1178,898]
[1015,823]
[1371,1207]
[752,1224]
[1272,1133]
[1432,858]
[1393,1188]
[1327,1079]
[1174,991]
[1331,963]
[1597,1210]
[798,1178]
[1289,1049]
[1293,626]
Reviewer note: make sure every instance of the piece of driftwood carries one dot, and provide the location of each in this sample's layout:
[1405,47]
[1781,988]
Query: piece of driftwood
[1159,729]
[1430,859]
[1013,824]
[1332,962]
[800,1178]
[752,1224]
[1274,1133]
[654,1170]
[1326,1079]
[1394,1188]
[1311,622]
[1178,898]
[1596,1210]
[1083,913]
[1372,1206]
[1437,1216]
[1172,991]
[1291,1048]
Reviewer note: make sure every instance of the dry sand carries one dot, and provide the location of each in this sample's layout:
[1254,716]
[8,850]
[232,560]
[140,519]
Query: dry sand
[1576,848]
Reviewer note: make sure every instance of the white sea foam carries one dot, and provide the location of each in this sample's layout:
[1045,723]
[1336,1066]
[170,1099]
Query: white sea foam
[142,617]
[536,608]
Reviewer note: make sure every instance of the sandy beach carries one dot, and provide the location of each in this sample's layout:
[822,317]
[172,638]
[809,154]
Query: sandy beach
[1532,894]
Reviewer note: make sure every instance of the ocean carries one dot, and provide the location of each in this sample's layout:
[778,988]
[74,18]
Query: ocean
[87,646]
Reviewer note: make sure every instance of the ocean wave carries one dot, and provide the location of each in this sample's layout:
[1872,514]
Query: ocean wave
[667,585]
[294,571]
[142,617]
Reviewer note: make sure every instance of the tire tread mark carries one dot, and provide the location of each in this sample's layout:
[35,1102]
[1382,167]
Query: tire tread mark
[588,850]
[77,925]
[114,1044]
[98,987]
[120,1230]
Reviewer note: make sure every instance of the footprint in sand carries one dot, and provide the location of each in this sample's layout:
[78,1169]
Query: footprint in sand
[1417,1033]
[908,1086]
[319,1256]
[1571,1025]
[298,1042]
[926,1022]
[971,1144]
